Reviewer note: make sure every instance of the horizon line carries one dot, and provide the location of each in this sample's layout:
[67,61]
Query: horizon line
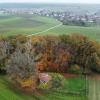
[48,3]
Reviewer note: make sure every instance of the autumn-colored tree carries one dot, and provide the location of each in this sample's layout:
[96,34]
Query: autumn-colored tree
[21,67]
[83,52]
[53,53]
[4,53]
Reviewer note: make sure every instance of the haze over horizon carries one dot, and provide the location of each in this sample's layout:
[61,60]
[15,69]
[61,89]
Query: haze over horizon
[51,1]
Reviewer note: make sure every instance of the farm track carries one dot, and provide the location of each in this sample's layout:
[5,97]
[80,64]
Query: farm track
[45,30]
[94,88]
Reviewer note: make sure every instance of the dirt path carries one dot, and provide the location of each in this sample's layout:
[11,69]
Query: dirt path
[94,87]
[45,30]
[68,76]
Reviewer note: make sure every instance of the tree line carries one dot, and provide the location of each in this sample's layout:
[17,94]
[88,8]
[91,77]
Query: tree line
[22,56]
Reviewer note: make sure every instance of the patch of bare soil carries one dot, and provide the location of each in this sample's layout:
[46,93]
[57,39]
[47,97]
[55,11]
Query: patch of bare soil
[66,75]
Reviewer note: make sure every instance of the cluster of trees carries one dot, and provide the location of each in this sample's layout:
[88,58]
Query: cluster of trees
[58,53]
[23,57]
[51,54]
[74,22]
[84,52]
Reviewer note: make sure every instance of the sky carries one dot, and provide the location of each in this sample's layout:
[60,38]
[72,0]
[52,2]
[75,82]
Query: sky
[52,1]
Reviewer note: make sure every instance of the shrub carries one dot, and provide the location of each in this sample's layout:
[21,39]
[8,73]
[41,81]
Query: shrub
[57,81]
[75,69]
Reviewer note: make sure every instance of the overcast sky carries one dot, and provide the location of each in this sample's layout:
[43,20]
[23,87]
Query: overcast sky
[52,1]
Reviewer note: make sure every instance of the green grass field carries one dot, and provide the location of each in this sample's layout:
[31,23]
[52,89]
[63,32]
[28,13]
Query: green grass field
[12,25]
[25,24]
[91,32]
[9,93]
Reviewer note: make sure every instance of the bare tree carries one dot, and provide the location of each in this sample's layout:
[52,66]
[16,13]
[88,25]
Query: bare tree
[4,52]
[22,62]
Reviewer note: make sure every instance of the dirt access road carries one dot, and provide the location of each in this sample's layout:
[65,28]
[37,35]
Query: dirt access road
[46,30]
[94,87]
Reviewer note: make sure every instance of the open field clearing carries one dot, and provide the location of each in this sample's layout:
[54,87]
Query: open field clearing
[25,25]
[9,93]
[91,32]
[12,25]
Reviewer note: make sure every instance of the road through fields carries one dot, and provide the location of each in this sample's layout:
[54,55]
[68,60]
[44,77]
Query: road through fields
[45,30]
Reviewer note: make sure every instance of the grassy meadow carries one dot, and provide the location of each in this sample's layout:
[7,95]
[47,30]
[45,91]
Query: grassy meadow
[13,25]
[24,24]
[7,92]
[91,32]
